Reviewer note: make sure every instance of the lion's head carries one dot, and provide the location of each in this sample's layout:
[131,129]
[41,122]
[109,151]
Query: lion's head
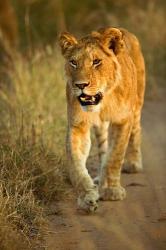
[92,68]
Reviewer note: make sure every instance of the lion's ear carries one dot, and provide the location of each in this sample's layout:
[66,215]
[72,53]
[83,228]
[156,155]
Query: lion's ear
[66,41]
[111,38]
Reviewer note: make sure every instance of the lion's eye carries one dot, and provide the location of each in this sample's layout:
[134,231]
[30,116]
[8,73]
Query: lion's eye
[96,62]
[73,63]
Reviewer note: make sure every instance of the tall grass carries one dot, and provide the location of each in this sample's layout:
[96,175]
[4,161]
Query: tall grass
[32,136]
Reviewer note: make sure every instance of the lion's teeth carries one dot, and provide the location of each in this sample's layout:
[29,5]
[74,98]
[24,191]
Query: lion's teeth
[84,99]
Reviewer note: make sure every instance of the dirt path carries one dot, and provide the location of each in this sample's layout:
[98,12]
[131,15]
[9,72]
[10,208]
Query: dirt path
[137,223]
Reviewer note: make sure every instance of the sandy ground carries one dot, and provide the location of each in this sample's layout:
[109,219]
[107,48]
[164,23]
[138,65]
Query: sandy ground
[138,222]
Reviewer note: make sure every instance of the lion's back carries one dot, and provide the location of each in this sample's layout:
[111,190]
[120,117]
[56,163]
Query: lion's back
[134,49]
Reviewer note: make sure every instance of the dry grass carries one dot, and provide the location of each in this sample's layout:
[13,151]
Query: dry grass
[32,135]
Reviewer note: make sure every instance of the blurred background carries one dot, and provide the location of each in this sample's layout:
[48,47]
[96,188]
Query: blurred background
[36,23]
[32,99]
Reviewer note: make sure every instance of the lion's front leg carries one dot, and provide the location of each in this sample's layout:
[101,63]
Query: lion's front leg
[110,186]
[78,146]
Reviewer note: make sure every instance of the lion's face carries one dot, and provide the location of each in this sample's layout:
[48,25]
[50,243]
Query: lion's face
[91,67]
[85,69]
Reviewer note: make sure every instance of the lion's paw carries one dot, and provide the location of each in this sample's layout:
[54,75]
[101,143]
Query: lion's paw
[132,167]
[113,193]
[89,201]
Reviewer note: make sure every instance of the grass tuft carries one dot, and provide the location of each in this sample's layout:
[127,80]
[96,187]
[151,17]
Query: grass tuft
[32,136]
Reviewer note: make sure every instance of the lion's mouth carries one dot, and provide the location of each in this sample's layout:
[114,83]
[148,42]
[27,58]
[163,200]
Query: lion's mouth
[90,99]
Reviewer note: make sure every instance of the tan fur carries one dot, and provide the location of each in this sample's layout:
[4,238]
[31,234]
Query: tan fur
[119,74]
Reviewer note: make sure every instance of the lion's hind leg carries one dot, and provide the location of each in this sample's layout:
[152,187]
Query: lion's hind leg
[133,157]
[101,133]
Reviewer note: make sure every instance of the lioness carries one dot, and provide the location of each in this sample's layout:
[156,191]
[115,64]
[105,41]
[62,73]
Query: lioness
[105,86]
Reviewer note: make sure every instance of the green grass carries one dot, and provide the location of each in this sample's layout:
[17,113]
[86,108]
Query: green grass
[32,146]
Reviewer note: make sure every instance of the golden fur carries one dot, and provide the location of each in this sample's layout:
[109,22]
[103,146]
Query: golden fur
[107,64]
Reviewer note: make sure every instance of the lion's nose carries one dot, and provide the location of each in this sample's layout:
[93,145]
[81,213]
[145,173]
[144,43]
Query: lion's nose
[82,85]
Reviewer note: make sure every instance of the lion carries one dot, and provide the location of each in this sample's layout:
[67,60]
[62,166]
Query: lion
[105,88]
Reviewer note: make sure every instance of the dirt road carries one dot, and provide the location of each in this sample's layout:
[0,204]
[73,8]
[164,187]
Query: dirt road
[137,223]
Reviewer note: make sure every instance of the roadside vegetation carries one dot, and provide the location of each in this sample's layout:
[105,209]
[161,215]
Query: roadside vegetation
[32,159]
